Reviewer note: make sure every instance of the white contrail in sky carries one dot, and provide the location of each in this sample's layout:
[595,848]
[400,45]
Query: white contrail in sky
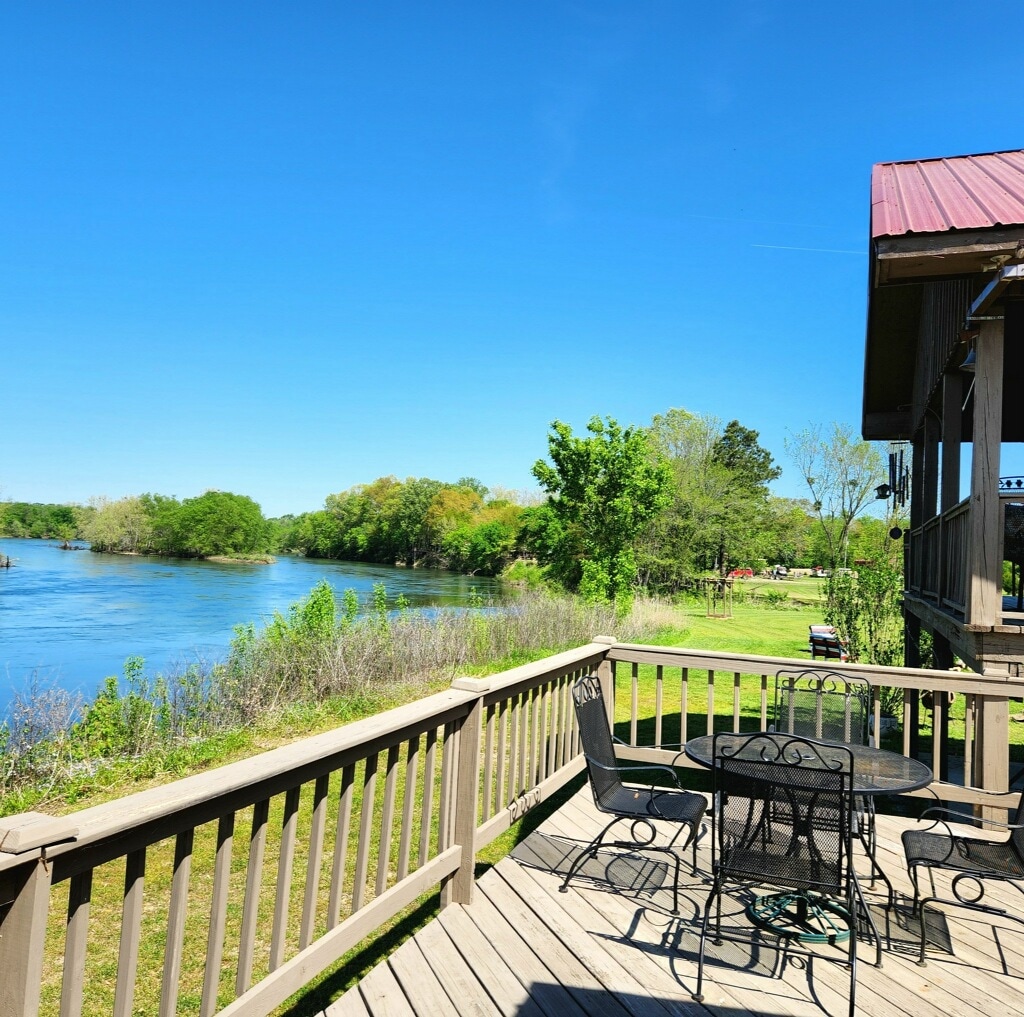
[816,250]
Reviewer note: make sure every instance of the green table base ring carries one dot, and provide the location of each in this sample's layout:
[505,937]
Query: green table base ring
[805,917]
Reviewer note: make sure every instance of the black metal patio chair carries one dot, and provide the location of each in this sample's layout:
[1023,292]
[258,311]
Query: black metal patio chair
[756,782]
[973,861]
[831,707]
[622,792]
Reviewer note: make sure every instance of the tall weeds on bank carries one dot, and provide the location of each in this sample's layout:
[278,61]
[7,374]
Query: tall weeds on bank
[319,651]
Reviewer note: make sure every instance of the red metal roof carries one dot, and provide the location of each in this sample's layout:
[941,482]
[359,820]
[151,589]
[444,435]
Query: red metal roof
[936,195]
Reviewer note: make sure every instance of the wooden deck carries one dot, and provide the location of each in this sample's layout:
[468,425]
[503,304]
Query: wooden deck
[612,947]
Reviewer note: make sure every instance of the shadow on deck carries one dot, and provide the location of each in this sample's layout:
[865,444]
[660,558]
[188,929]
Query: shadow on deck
[611,946]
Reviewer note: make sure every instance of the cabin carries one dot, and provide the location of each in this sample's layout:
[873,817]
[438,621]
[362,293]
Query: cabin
[944,360]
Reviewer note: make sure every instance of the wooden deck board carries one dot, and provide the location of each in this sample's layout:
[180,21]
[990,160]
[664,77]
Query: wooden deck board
[523,949]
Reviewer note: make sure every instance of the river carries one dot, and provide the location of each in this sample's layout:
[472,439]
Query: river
[72,617]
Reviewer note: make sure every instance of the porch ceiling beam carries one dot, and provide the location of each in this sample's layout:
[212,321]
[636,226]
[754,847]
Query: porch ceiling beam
[991,293]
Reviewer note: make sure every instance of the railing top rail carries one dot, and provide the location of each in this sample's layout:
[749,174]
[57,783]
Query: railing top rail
[877,674]
[500,685]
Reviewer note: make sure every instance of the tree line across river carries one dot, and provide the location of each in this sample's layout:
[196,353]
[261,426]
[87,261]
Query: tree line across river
[619,507]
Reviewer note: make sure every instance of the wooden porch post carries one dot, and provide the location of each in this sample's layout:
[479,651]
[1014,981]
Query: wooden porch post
[992,758]
[22,936]
[984,567]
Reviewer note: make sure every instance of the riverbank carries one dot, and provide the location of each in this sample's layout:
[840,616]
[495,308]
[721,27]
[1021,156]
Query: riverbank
[314,668]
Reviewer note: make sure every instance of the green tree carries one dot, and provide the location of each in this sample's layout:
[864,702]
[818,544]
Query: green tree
[121,526]
[841,473]
[220,523]
[603,490]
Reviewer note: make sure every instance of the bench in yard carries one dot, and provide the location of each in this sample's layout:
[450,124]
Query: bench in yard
[825,642]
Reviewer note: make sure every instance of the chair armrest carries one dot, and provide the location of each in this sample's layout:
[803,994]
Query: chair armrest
[671,774]
[965,819]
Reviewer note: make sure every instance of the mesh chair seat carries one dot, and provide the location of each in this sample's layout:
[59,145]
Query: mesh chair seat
[620,791]
[972,860]
[654,803]
[963,854]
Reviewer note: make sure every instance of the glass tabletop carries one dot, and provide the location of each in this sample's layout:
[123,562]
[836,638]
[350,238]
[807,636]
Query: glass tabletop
[875,771]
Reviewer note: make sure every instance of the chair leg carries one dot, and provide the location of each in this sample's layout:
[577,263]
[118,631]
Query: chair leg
[853,961]
[588,852]
[716,891]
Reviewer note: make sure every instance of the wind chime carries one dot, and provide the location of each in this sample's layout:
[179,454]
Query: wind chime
[898,487]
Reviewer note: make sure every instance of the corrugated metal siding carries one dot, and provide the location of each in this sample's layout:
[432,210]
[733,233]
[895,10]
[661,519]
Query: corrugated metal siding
[936,195]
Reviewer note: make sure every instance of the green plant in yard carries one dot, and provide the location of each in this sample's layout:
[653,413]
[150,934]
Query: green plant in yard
[866,611]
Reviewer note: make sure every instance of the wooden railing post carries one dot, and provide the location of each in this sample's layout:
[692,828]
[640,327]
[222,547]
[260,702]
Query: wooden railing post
[606,675]
[25,891]
[992,763]
[467,792]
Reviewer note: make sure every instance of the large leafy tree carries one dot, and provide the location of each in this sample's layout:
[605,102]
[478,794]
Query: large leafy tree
[603,490]
[718,515]
[841,472]
[220,523]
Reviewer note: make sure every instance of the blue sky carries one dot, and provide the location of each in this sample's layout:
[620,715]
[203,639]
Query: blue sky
[282,249]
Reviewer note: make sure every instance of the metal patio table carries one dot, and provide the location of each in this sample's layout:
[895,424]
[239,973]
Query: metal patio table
[875,772]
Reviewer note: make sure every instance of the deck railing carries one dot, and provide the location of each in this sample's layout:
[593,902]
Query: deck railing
[937,557]
[147,904]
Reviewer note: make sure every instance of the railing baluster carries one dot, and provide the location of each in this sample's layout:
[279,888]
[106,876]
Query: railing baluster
[218,915]
[536,733]
[412,760]
[365,832]
[285,861]
[736,701]
[387,821]
[343,828]
[524,739]
[488,788]
[79,898]
[446,811]
[634,699]
[658,703]
[131,926]
[511,784]
[684,703]
[499,777]
[426,811]
[711,702]
[315,861]
[175,942]
[551,717]
[908,696]
[764,702]
[970,717]
[250,908]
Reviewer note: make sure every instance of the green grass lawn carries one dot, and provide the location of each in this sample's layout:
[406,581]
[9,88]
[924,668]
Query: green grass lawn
[769,632]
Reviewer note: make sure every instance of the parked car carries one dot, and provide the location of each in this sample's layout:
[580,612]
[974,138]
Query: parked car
[741,574]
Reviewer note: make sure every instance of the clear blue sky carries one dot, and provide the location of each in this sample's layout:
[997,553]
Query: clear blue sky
[282,249]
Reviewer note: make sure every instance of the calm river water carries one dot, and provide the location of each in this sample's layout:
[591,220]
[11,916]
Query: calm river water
[72,617]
